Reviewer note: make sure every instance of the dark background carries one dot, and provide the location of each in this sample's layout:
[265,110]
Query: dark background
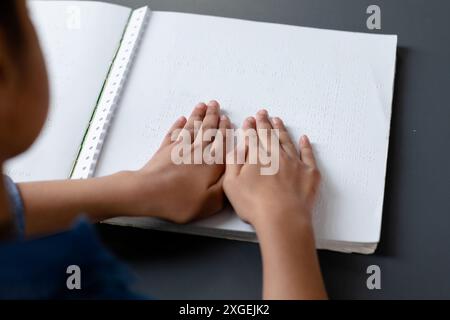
[413,254]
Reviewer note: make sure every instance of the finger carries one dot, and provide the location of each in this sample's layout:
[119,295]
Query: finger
[232,167]
[216,199]
[195,120]
[224,124]
[306,151]
[251,140]
[219,144]
[236,158]
[285,138]
[249,123]
[217,187]
[210,122]
[264,128]
[170,136]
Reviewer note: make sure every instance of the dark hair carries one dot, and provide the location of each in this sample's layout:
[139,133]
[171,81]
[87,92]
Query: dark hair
[10,24]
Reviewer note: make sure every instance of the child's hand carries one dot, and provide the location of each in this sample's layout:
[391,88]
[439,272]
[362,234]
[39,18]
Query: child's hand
[271,200]
[162,189]
[280,207]
[181,193]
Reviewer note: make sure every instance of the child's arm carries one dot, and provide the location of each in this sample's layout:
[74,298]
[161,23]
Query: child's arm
[162,189]
[279,207]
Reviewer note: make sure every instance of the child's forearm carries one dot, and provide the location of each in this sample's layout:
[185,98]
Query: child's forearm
[290,263]
[53,206]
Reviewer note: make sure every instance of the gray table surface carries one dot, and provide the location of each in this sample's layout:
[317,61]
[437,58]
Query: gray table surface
[414,251]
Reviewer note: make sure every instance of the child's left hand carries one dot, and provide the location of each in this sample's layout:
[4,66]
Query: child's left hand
[162,189]
[181,193]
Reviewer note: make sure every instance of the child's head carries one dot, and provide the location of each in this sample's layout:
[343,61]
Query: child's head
[23,80]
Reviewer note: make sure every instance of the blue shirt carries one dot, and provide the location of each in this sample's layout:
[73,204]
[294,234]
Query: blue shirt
[41,268]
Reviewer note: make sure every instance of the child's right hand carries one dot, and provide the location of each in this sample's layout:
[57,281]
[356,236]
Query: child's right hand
[273,200]
[279,206]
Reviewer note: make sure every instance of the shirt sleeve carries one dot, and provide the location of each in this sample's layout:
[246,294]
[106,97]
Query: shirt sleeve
[17,206]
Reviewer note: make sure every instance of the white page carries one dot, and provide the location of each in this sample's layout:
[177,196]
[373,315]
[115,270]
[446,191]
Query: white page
[334,86]
[79,41]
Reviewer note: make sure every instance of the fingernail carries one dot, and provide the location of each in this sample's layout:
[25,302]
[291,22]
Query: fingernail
[277,120]
[224,118]
[262,115]
[182,119]
[263,112]
[247,123]
[201,106]
[213,104]
[305,140]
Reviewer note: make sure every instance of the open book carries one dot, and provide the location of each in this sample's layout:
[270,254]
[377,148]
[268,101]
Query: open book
[121,77]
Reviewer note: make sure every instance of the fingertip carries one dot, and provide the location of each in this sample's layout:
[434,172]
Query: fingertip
[278,123]
[225,122]
[213,104]
[249,123]
[201,106]
[262,114]
[304,142]
[306,152]
[182,120]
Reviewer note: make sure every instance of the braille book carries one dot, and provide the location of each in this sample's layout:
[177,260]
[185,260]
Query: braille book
[121,77]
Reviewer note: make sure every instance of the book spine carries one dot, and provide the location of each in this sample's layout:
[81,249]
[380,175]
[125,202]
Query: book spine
[97,130]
